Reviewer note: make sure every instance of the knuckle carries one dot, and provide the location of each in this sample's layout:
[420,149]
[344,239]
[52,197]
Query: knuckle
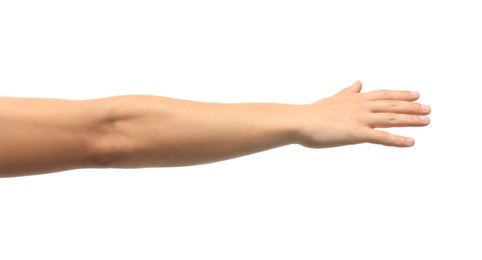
[392,104]
[390,117]
[385,93]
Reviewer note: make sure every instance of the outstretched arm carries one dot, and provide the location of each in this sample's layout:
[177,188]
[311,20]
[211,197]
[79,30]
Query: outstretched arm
[50,135]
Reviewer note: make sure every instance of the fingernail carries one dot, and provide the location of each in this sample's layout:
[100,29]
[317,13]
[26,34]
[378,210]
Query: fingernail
[409,141]
[414,93]
[424,119]
[425,108]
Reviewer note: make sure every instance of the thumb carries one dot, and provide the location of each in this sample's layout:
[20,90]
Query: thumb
[355,88]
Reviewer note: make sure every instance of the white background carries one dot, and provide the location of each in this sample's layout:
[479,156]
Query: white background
[356,202]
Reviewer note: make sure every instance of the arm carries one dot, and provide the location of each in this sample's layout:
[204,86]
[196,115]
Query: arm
[50,135]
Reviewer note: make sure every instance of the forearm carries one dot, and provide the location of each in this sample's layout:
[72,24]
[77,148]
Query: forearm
[151,131]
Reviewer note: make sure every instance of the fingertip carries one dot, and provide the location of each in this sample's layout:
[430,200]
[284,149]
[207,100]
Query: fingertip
[354,88]
[358,86]
[409,141]
[426,109]
[424,119]
[414,94]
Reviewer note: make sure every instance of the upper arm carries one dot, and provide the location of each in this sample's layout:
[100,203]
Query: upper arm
[40,135]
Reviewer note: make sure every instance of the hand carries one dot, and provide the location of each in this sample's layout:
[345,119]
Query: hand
[350,117]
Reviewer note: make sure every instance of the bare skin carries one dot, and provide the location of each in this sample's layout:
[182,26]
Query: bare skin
[51,135]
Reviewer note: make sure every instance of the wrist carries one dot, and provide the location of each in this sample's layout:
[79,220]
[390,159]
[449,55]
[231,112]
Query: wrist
[292,123]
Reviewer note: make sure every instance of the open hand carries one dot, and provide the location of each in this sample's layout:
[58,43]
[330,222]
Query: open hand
[351,117]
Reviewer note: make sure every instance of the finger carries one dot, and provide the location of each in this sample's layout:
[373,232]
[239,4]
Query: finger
[392,95]
[355,88]
[388,139]
[385,120]
[400,107]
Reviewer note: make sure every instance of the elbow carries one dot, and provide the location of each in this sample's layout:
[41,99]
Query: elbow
[104,151]
[104,155]
[105,148]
